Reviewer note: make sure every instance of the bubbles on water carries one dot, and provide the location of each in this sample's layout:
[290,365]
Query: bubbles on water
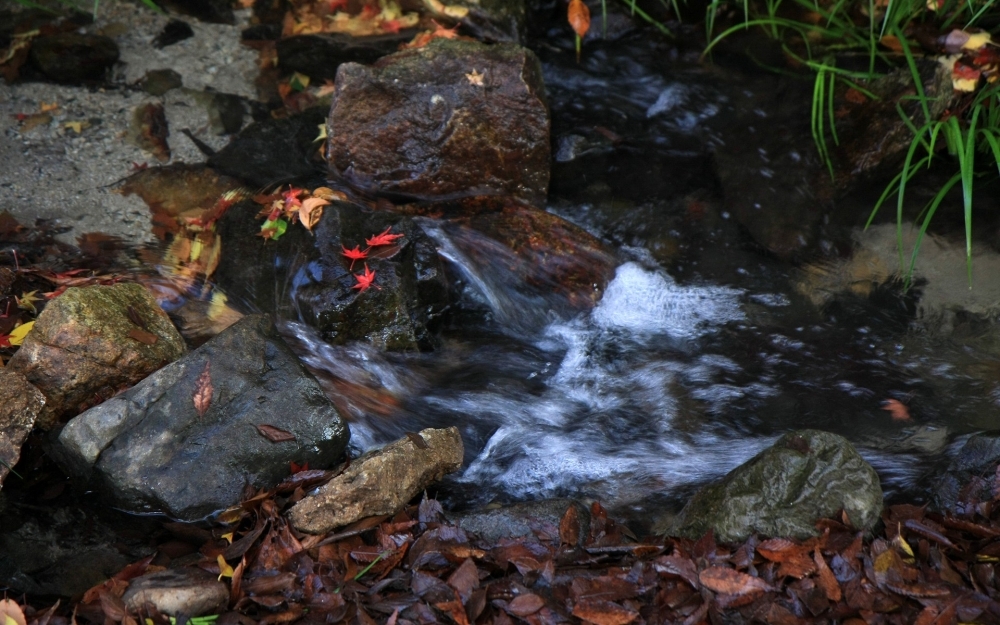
[641,301]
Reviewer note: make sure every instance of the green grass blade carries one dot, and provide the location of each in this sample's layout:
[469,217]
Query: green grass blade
[918,83]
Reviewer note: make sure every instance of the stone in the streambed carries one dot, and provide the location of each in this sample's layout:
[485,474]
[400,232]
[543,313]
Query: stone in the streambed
[91,342]
[159,81]
[307,276]
[20,404]
[380,482]
[273,151]
[185,591]
[174,31]
[494,20]
[972,470]
[450,118]
[520,520]
[74,58]
[319,56]
[873,137]
[806,476]
[540,261]
[151,450]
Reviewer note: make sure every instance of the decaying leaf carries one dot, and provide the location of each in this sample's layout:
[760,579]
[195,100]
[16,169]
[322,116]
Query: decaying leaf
[730,582]
[310,211]
[273,434]
[146,338]
[203,391]
[11,613]
[897,409]
[603,612]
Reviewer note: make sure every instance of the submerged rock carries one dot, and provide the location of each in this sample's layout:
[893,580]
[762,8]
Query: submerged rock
[91,342]
[491,525]
[175,592]
[319,56]
[74,58]
[805,476]
[20,404]
[451,118]
[151,450]
[972,470]
[495,20]
[381,482]
[307,276]
[272,151]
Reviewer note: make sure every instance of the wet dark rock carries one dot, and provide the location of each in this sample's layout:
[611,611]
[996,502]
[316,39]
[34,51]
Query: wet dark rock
[970,474]
[270,12]
[183,591]
[20,404]
[215,11]
[159,81]
[148,449]
[495,20]
[874,138]
[319,56]
[773,180]
[493,524]
[85,346]
[174,31]
[540,261]
[149,130]
[74,58]
[451,118]
[380,482]
[305,276]
[805,476]
[273,151]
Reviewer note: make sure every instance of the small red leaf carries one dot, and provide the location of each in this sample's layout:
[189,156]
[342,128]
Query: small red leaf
[273,434]
[355,254]
[383,239]
[364,280]
[203,391]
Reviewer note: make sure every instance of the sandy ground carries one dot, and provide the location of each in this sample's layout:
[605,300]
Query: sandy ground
[52,172]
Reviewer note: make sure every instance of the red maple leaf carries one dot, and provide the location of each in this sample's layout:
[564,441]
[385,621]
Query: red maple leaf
[355,254]
[365,280]
[383,239]
[291,196]
[5,340]
[298,468]
[391,26]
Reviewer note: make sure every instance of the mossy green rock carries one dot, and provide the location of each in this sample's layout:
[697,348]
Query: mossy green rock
[85,347]
[806,476]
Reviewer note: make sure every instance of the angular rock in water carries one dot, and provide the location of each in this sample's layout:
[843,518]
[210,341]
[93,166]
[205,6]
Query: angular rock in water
[451,118]
[319,56]
[272,151]
[91,342]
[308,276]
[972,469]
[188,439]
[74,58]
[381,482]
[184,591]
[519,520]
[806,476]
[20,404]
[495,20]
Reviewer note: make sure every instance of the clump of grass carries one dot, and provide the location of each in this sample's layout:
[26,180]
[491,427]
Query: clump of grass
[835,30]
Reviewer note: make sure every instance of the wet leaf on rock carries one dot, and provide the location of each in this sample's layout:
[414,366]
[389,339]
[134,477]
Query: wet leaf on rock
[273,434]
[11,613]
[203,391]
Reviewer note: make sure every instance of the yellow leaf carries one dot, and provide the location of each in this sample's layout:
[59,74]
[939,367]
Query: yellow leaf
[77,126]
[228,536]
[329,194]
[224,569]
[475,78]
[322,133]
[17,335]
[46,107]
[976,41]
[900,543]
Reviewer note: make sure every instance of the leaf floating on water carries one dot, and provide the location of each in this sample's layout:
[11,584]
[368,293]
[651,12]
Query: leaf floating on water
[273,434]
[203,391]
[897,409]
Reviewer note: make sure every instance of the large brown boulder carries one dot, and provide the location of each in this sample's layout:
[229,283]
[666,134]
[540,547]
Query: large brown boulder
[451,118]
[91,342]
[20,403]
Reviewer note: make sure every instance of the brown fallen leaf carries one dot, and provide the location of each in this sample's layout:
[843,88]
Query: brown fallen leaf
[273,434]
[311,210]
[730,582]
[826,581]
[202,396]
[11,613]
[146,338]
[523,605]
[603,612]
[417,440]
[569,527]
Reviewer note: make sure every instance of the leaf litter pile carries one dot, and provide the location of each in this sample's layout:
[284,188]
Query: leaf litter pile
[416,567]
